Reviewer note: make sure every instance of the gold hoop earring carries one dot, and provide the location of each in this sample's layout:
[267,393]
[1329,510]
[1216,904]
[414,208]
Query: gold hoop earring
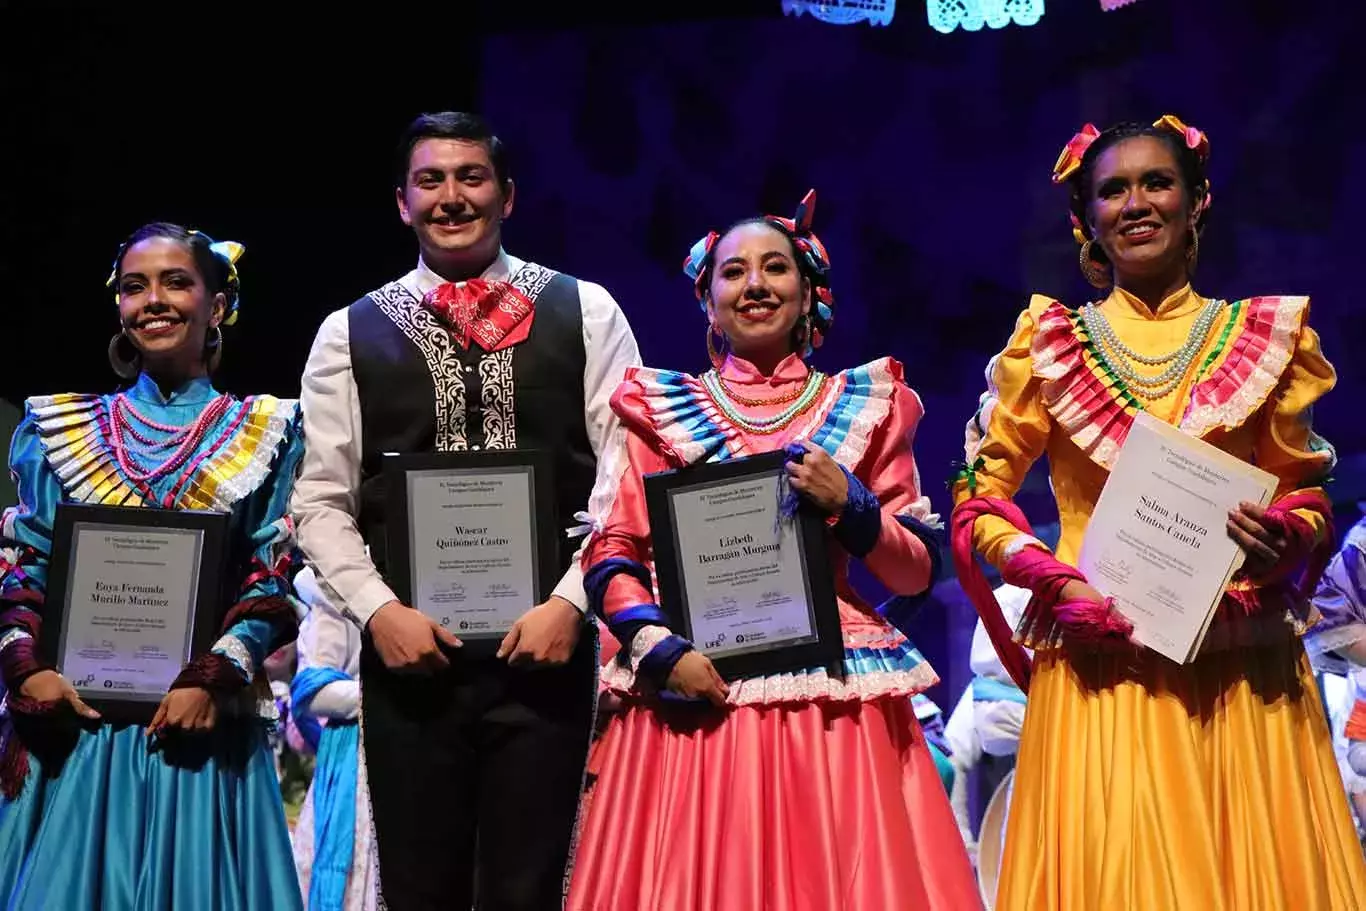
[124,357]
[713,350]
[1095,273]
[213,348]
[801,335]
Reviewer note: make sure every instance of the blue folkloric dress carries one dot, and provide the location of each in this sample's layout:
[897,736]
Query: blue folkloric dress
[197,825]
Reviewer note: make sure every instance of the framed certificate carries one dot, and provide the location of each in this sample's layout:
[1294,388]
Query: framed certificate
[471,538]
[751,591]
[131,597]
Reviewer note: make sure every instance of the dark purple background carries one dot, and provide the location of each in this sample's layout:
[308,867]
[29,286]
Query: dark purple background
[931,154]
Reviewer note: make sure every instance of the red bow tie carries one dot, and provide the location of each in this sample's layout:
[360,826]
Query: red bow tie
[492,313]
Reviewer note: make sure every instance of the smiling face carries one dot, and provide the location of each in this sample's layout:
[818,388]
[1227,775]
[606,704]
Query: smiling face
[757,293]
[454,202]
[165,307]
[1140,213]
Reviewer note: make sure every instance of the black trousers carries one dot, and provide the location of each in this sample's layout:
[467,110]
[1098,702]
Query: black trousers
[475,779]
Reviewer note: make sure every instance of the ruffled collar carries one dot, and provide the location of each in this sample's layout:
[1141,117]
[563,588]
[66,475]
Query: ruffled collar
[740,372]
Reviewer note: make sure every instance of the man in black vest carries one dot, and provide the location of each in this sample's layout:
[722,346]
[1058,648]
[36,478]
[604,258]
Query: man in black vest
[475,764]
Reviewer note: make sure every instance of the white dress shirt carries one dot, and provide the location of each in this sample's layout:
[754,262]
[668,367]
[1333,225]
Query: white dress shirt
[324,501]
[327,640]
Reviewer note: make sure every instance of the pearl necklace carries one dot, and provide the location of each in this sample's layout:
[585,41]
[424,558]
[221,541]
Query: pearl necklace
[1119,357]
[815,382]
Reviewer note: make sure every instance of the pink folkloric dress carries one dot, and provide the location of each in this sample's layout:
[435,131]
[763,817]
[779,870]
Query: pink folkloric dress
[807,792]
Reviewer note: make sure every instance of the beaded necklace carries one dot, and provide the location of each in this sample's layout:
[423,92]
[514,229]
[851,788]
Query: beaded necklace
[1120,358]
[810,392]
[128,424]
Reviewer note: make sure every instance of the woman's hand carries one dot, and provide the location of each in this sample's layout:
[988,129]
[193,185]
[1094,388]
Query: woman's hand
[52,687]
[694,676]
[1264,548]
[191,709]
[820,479]
[1077,590]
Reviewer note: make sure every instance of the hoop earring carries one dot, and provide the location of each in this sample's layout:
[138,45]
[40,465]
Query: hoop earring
[1095,273]
[714,350]
[801,335]
[126,365]
[213,348]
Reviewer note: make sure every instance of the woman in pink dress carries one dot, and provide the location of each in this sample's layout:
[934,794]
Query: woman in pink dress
[798,791]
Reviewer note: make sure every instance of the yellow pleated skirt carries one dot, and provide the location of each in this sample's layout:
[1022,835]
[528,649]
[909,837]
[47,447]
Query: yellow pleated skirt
[1142,785]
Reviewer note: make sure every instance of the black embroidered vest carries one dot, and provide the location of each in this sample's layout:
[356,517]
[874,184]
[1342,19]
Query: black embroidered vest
[421,392]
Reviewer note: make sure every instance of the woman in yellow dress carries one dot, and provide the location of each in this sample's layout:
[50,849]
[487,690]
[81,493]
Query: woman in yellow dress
[1143,784]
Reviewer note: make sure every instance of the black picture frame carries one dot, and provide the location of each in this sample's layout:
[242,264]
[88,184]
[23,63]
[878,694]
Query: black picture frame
[544,532]
[828,649]
[73,519]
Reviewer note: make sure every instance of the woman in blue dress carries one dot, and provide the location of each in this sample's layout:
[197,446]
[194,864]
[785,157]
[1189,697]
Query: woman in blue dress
[184,814]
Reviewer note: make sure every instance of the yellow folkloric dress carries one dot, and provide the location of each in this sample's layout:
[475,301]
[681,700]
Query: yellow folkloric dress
[1142,784]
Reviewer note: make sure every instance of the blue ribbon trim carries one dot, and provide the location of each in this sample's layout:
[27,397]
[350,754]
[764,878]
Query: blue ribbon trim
[860,523]
[659,663]
[600,574]
[988,689]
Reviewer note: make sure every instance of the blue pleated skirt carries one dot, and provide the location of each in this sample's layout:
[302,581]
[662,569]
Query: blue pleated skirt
[198,826]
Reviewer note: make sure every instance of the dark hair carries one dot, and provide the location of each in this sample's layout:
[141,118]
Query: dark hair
[807,267]
[451,125]
[1188,163]
[212,268]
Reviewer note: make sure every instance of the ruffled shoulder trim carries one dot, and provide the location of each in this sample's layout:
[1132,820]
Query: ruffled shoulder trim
[675,413]
[74,433]
[1093,407]
[1089,402]
[244,460]
[857,408]
[672,410]
[1257,347]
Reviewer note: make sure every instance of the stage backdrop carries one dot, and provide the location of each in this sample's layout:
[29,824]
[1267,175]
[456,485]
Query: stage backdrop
[932,156]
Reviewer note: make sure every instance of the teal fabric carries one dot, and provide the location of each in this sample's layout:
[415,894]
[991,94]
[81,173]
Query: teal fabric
[943,766]
[198,824]
[195,828]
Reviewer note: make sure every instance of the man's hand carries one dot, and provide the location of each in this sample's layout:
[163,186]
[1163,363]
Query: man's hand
[544,636]
[406,640]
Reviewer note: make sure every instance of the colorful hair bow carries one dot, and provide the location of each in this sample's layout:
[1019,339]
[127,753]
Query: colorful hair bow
[815,261]
[694,265]
[229,251]
[1069,160]
[1195,139]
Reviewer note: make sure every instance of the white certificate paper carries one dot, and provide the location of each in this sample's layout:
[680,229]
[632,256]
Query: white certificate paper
[131,605]
[743,575]
[471,546]
[1157,541]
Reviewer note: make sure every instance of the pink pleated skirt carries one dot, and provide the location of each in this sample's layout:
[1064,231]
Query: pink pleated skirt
[814,806]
